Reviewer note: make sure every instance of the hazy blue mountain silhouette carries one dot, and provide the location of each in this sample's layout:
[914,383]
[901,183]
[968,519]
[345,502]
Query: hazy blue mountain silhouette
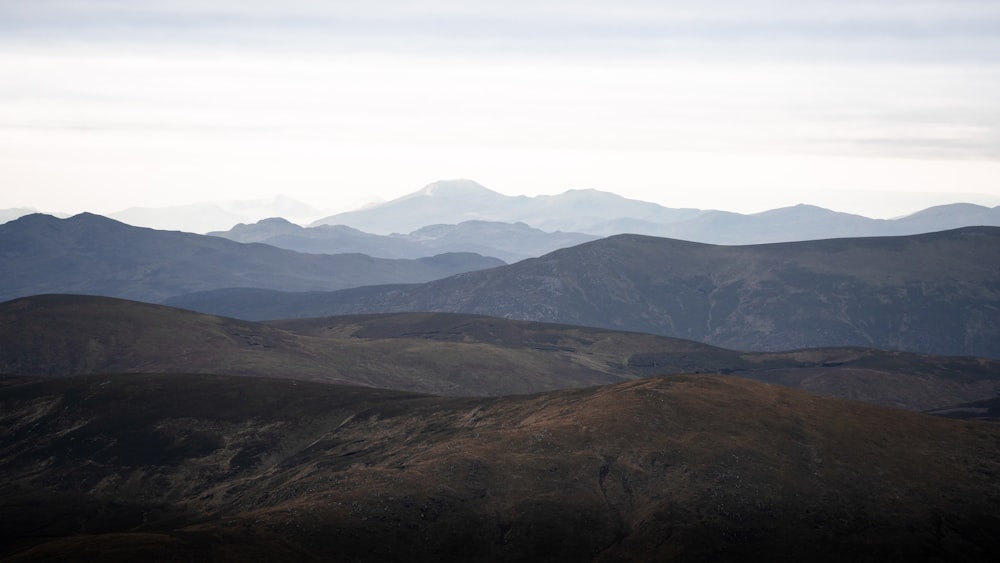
[92,254]
[508,241]
[603,214]
[455,201]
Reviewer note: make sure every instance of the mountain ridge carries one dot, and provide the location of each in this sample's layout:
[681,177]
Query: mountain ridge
[602,213]
[89,253]
[589,211]
[932,293]
[510,242]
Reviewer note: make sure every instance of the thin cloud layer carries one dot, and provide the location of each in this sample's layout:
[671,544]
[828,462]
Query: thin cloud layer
[891,30]
[183,96]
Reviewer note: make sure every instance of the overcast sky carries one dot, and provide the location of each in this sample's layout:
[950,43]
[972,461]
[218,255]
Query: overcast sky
[873,107]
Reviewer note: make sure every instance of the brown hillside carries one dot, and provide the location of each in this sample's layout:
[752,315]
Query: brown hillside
[445,354]
[679,468]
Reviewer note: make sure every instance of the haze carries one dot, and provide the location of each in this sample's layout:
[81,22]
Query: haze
[874,107]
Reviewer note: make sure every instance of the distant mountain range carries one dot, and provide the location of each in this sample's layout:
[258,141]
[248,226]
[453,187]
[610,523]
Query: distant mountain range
[509,242]
[601,213]
[197,217]
[933,293]
[565,218]
[514,228]
[96,255]
[454,201]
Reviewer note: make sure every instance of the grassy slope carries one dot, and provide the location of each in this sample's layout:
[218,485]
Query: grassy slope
[676,468]
[449,354]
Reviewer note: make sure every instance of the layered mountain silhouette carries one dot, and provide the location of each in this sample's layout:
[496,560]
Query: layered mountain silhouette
[681,468]
[509,242]
[455,201]
[91,254]
[581,212]
[602,213]
[934,293]
[634,398]
[445,353]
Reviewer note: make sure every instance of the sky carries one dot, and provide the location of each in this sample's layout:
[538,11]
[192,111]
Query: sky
[877,107]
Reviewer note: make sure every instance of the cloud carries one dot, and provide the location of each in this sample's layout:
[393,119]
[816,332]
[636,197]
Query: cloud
[188,92]
[772,29]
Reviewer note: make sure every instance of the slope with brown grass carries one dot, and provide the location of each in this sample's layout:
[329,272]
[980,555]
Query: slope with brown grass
[445,353]
[683,468]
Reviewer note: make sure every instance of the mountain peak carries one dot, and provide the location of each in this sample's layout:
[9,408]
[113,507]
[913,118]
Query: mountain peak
[276,221]
[455,188]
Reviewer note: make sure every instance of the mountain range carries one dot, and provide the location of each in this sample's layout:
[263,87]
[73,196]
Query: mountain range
[441,420]
[933,293]
[453,201]
[509,242]
[600,213]
[589,212]
[92,254]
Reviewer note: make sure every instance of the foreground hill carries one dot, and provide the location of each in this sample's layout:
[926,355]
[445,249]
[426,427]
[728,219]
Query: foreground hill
[93,254]
[510,242]
[703,468]
[936,293]
[444,353]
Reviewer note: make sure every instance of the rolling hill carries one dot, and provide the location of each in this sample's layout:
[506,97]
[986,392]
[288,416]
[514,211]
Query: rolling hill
[680,468]
[445,353]
[937,293]
[92,254]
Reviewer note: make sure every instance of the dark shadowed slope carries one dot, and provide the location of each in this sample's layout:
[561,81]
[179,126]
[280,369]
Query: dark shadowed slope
[685,469]
[935,293]
[63,335]
[92,254]
[444,353]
